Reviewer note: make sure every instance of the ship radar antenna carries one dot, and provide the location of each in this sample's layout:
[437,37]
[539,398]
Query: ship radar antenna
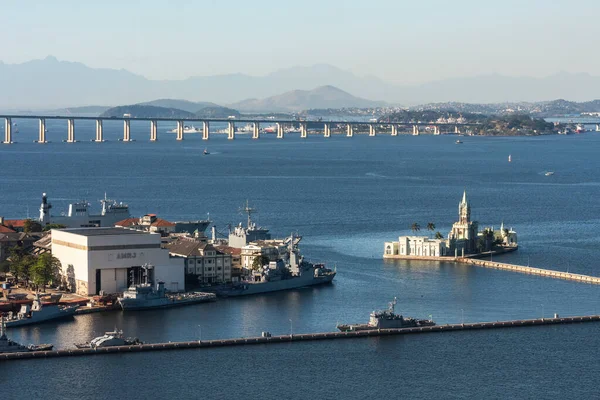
[393,304]
[249,211]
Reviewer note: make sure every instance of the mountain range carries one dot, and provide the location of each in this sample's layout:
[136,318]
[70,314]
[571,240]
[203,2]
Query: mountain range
[50,83]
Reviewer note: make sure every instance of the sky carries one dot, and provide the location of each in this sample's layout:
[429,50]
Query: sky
[399,41]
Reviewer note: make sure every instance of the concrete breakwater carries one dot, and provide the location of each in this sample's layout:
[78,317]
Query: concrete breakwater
[531,270]
[299,337]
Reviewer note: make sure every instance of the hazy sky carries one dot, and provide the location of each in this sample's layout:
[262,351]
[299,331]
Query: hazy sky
[399,41]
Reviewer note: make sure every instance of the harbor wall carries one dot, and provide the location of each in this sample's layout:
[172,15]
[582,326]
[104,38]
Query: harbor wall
[299,337]
[531,270]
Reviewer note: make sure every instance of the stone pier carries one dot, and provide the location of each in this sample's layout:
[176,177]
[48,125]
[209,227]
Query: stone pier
[231,130]
[153,131]
[99,131]
[70,130]
[126,131]
[349,130]
[180,130]
[327,130]
[303,130]
[42,133]
[205,130]
[279,130]
[371,130]
[7,131]
[256,130]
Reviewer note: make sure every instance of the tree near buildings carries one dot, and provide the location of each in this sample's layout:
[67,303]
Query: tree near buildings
[259,261]
[415,227]
[31,226]
[20,263]
[45,270]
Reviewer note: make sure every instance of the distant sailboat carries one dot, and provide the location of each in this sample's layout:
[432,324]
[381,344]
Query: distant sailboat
[205,152]
[509,158]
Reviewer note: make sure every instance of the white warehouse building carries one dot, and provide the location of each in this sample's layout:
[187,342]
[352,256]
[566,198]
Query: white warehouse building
[111,259]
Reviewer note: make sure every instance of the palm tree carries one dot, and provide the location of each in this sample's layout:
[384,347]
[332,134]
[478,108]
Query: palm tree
[415,227]
[430,226]
[438,235]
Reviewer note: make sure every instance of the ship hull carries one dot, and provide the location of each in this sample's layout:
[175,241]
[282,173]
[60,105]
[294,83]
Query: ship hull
[145,304]
[275,286]
[63,314]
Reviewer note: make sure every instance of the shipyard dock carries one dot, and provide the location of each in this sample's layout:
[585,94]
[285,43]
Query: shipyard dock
[300,337]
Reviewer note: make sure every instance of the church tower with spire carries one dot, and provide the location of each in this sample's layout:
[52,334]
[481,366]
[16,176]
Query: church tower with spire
[463,236]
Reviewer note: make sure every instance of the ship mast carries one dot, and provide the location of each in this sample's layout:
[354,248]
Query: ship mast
[249,210]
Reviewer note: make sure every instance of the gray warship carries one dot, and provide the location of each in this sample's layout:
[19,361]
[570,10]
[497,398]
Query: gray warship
[386,319]
[79,216]
[289,272]
[38,313]
[145,296]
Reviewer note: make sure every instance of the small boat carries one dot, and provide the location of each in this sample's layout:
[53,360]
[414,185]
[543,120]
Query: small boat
[109,339]
[549,173]
[458,142]
[10,346]
[509,158]
[205,152]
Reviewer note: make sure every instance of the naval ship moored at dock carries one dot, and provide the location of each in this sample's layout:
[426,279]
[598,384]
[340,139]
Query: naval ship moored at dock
[386,319]
[291,272]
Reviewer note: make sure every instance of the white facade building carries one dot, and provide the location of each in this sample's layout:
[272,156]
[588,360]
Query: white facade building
[109,259]
[416,246]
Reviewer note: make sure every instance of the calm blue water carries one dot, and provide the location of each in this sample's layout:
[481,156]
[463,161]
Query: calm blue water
[345,196]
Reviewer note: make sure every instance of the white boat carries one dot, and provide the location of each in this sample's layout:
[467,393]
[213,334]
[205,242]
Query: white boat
[580,128]
[549,173]
[109,339]
[509,158]
[187,129]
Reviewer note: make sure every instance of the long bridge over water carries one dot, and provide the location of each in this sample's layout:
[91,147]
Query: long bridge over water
[348,127]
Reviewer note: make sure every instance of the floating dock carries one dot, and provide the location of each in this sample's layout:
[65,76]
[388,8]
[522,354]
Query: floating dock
[298,338]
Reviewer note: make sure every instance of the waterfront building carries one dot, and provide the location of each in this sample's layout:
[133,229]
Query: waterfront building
[12,225]
[462,239]
[10,239]
[236,259]
[111,259]
[417,246]
[205,261]
[273,249]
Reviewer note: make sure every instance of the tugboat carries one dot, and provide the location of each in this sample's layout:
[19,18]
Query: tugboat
[109,339]
[39,313]
[386,319]
[145,296]
[9,346]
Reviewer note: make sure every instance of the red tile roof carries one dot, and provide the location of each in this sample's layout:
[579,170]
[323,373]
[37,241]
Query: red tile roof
[128,222]
[5,229]
[17,223]
[162,222]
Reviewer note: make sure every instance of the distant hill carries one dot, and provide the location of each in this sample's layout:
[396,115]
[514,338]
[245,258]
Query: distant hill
[185,105]
[217,112]
[298,100]
[82,111]
[144,111]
